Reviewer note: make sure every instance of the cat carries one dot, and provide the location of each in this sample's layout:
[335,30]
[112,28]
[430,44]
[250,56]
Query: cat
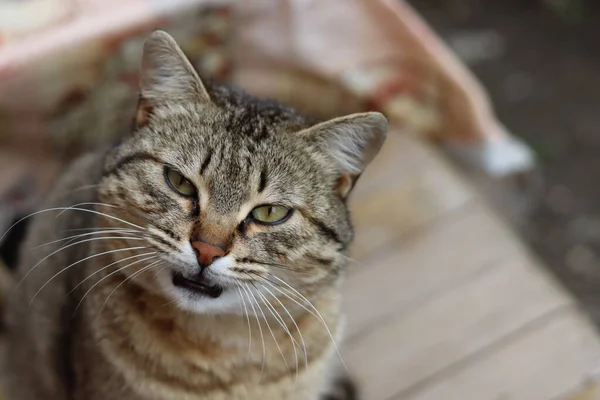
[201,257]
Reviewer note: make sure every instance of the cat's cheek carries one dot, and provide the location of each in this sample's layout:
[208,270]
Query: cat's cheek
[187,254]
[220,270]
[164,279]
[183,259]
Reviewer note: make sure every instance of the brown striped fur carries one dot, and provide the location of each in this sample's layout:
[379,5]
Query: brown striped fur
[84,325]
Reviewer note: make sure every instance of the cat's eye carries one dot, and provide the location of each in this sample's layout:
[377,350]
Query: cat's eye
[179,183]
[271,214]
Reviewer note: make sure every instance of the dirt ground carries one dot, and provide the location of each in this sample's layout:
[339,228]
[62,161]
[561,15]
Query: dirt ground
[542,70]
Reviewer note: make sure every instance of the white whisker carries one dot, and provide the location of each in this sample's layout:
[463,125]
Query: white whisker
[66,208]
[73,244]
[99,282]
[78,262]
[295,325]
[130,278]
[87,203]
[243,301]
[262,338]
[317,315]
[270,330]
[108,228]
[91,203]
[113,263]
[348,258]
[111,206]
[281,322]
[115,230]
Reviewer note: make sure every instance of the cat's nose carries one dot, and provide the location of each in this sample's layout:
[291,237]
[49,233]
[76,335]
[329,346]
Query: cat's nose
[206,253]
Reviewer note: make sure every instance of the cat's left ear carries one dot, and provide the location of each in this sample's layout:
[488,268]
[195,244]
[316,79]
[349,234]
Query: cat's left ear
[353,141]
[166,75]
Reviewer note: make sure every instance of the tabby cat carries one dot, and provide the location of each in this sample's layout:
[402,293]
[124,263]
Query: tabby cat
[199,258]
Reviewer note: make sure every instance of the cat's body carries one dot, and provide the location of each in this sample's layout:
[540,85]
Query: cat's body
[124,312]
[182,348]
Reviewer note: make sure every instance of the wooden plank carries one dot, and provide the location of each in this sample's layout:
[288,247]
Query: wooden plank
[540,364]
[404,189]
[437,258]
[393,356]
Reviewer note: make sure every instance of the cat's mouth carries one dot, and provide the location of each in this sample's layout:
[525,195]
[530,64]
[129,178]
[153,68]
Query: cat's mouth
[197,284]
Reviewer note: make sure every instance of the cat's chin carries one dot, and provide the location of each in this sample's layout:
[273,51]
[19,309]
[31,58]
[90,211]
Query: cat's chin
[198,296]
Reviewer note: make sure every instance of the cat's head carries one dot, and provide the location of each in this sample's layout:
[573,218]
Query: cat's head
[233,196]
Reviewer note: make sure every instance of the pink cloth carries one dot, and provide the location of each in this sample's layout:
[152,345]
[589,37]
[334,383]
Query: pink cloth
[71,83]
[370,45]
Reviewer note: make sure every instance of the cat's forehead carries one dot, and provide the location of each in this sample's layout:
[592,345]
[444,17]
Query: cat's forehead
[234,167]
[229,170]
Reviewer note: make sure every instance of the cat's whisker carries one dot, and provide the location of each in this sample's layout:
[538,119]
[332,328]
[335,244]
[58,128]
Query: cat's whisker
[162,268]
[108,216]
[120,269]
[87,203]
[280,266]
[128,279]
[316,312]
[135,215]
[269,327]
[168,303]
[64,208]
[70,245]
[277,316]
[137,234]
[75,208]
[295,325]
[97,229]
[352,260]
[262,337]
[151,254]
[142,217]
[69,238]
[147,220]
[78,262]
[243,302]
[281,322]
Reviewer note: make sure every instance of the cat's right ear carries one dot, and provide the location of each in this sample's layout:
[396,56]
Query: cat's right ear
[166,76]
[352,142]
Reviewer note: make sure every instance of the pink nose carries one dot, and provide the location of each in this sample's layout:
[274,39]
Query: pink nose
[207,253]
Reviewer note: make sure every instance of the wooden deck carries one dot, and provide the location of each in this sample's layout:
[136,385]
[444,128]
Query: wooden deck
[445,303]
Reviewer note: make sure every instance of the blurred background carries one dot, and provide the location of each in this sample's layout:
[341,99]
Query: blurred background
[486,187]
[540,62]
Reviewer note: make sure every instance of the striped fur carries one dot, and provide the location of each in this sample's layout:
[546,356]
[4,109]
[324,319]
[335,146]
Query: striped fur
[114,326]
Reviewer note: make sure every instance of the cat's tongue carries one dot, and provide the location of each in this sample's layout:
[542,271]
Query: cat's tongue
[197,284]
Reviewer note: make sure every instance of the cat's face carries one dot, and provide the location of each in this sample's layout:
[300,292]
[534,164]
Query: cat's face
[238,198]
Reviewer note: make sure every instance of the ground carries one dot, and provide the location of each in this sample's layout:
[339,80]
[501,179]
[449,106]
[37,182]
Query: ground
[542,70]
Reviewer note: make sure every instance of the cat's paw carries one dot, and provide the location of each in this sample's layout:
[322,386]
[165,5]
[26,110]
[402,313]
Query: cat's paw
[342,388]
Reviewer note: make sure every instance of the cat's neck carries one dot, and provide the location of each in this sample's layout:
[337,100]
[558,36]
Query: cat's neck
[149,313]
[136,324]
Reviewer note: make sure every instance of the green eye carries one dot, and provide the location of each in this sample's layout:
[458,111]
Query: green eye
[179,183]
[270,214]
